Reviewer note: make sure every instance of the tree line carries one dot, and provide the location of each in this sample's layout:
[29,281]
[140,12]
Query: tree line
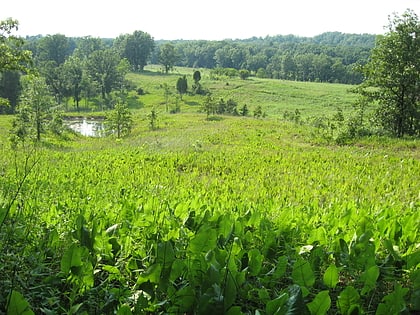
[94,69]
[81,68]
[329,57]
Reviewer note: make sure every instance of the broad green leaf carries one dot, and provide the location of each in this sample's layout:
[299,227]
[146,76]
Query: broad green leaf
[415,296]
[348,299]
[203,241]
[369,278]
[274,306]
[75,308]
[124,310]
[255,261]
[281,267]
[394,302]
[320,304]
[413,259]
[295,304]
[331,276]
[165,254]
[18,305]
[72,257]
[151,274]
[230,291]
[234,310]
[111,269]
[303,274]
[184,299]
[3,213]
[178,268]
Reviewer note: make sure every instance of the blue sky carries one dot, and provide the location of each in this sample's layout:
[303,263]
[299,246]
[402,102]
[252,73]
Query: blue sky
[202,19]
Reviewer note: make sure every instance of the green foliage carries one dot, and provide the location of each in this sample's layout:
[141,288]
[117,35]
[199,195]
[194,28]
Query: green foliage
[13,57]
[320,304]
[153,116]
[168,56]
[229,216]
[331,276]
[102,66]
[136,47]
[394,73]
[33,112]
[119,120]
[17,305]
[182,86]
[244,74]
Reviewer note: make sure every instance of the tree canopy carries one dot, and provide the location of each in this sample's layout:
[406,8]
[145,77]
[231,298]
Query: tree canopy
[12,54]
[392,76]
[168,56]
[136,47]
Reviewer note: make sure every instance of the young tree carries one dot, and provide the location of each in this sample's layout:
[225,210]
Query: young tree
[153,116]
[168,56]
[209,105]
[392,76]
[119,120]
[197,89]
[243,74]
[182,86]
[167,94]
[197,76]
[33,111]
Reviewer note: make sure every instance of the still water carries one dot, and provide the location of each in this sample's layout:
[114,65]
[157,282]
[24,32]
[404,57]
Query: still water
[86,126]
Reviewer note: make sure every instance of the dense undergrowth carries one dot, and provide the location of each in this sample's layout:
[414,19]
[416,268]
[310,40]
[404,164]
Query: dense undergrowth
[240,219]
[236,216]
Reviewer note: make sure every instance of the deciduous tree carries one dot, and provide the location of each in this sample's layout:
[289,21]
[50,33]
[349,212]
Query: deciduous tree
[33,111]
[168,56]
[12,57]
[103,68]
[12,54]
[120,120]
[392,76]
[182,86]
[137,48]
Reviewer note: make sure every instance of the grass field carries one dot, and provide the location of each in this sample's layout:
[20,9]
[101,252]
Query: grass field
[275,96]
[231,216]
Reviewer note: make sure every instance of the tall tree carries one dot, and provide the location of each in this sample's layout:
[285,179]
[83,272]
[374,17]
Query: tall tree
[87,45]
[137,48]
[12,54]
[10,88]
[12,57]
[392,76]
[54,48]
[102,67]
[73,72]
[168,56]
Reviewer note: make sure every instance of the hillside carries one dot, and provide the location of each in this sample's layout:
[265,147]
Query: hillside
[222,214]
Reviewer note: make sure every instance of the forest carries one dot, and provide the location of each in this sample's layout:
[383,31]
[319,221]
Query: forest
[71,64]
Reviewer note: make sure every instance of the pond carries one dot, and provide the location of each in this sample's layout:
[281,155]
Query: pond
[88,127]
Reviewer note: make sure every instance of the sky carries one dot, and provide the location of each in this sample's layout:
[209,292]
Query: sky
[202,19]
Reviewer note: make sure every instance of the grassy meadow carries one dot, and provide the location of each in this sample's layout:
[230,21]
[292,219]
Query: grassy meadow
[235,215]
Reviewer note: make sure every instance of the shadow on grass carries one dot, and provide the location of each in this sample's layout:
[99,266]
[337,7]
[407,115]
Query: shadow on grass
[192,103]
